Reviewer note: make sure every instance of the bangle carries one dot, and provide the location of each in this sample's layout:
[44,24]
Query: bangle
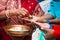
[48,21]
[7,13]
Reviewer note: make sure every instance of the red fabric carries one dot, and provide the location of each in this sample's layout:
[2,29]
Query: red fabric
[4,35]
[57,31]
[30,6]
[27,4]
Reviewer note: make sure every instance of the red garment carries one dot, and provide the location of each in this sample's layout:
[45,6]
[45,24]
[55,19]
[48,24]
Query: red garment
[56,32]
[30,5]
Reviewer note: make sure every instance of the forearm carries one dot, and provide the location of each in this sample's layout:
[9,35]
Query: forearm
[55,21]
[44,17]
[7,14]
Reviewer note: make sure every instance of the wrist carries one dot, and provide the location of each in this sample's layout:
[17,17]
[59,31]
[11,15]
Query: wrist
[7,14]
[49,22]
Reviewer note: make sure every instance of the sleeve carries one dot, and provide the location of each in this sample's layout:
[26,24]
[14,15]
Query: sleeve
[57,31]
[38,10]
[51,9]
[2,6]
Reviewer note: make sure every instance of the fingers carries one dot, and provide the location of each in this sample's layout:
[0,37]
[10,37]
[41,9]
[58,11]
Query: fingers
[46,35]
[24,10]
[19,12]
[43,25]
[27,20]
[49,33]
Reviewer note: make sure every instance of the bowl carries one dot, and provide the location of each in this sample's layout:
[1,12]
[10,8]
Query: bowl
[18,30]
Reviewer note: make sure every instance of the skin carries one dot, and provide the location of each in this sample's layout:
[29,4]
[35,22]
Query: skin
[52,20]
[40,22]
[49,32]
[10,13]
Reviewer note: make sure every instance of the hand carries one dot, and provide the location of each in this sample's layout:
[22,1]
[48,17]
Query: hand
[17,12]
[37,19]
[49,33]
[23,12]
[43,25]
[41,20]
[32,19]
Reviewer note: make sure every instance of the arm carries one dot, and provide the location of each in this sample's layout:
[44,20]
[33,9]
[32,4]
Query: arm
[55,32]
[55,21]
[4,14]
[8,13]
[52,21]
[43,18]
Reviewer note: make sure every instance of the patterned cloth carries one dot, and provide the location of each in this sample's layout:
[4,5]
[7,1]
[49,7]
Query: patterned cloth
[31,5]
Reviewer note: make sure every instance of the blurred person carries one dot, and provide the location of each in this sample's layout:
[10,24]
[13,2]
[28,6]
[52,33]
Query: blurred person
[10,9]
[53,17]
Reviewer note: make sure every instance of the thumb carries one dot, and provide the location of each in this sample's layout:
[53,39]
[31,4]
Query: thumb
[45,35]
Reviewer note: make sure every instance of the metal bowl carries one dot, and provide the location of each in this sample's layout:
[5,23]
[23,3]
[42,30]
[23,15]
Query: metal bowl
[18,30]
